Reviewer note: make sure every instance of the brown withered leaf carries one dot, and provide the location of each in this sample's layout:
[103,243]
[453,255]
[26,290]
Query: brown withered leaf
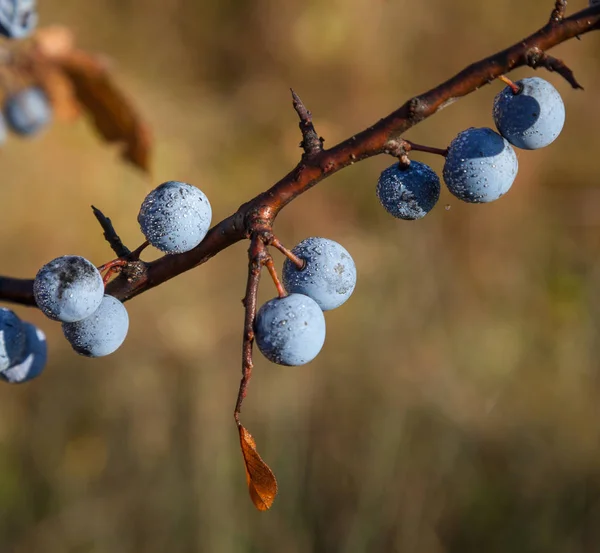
[59,89]
[262,484]
[92,84]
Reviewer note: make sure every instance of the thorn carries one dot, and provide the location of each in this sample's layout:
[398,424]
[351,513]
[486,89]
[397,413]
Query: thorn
[311,143]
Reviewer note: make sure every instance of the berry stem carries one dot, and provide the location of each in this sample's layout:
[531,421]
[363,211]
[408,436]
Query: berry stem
[111,268]
[273,272]
[256,254]
[428,149]
[513,86]
[300,263]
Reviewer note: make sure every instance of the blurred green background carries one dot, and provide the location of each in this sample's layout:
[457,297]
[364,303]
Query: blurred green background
[455,406]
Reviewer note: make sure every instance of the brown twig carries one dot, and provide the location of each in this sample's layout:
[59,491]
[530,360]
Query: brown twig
[536,58]
[311,143]
[260,212]
[256,258]
[110,234]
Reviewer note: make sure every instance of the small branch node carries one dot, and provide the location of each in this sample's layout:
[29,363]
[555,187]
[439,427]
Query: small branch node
[311,143]
[538,58]
[559,11]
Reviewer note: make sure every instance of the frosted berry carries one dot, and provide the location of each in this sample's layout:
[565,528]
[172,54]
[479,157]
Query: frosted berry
[175,217]
[480,166]
[34,361]
[12,339]
[328,275]
[68,289]
[28,111]
[408,193]
[531,118]
[101,333]
[290,330]
[18,18]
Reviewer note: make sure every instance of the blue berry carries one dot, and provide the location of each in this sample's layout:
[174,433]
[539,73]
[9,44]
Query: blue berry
[480,166]
[290,330]
[408,193]
[28,111]
[328,276]
[12,339]
[102,332]
[533,117]
[175,217]
[18,18]
[34,361]
[68,289]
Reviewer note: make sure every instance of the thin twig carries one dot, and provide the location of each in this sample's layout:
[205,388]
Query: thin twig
[558,13]
[110,234]
[273,272]
[311,143]
[255,263]
[288,253]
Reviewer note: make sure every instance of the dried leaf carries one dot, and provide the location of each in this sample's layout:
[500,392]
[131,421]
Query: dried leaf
[60,91]
[262,484]
[93,86]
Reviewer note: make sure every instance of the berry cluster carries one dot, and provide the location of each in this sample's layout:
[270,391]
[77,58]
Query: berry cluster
[481,164]
[319,275]
[174,217]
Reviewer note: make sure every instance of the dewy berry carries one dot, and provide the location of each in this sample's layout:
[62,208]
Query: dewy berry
[18,18]
[101,333]
[408,193]
[35,357]
[28,111]
[290,330]
[531,118]
[480,166]
[68,289]
[175,217]
[12,339]
[328,275]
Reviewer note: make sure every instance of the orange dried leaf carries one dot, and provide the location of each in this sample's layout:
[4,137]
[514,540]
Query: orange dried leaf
[59,89]
[262,484]
[112,112]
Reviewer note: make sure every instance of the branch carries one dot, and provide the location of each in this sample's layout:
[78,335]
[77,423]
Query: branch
[259,213]
[110,234]
[256,257]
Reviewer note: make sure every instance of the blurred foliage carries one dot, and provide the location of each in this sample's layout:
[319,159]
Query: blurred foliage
[455,405]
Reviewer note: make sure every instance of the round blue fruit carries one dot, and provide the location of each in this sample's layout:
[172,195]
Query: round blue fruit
[68,289]
[480,166]
[18,18]
[12,339]
[408,193]
[36,355]
[531,118]
[101,333]
[290,330]
[175,217]
[28,111]
[328,275]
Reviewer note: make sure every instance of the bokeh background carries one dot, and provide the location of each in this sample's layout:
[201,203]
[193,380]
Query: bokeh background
[455,406]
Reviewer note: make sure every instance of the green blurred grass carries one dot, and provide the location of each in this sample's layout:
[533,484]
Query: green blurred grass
[455,405]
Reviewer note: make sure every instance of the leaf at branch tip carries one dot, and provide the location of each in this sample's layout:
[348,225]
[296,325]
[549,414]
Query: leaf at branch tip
[261,480]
